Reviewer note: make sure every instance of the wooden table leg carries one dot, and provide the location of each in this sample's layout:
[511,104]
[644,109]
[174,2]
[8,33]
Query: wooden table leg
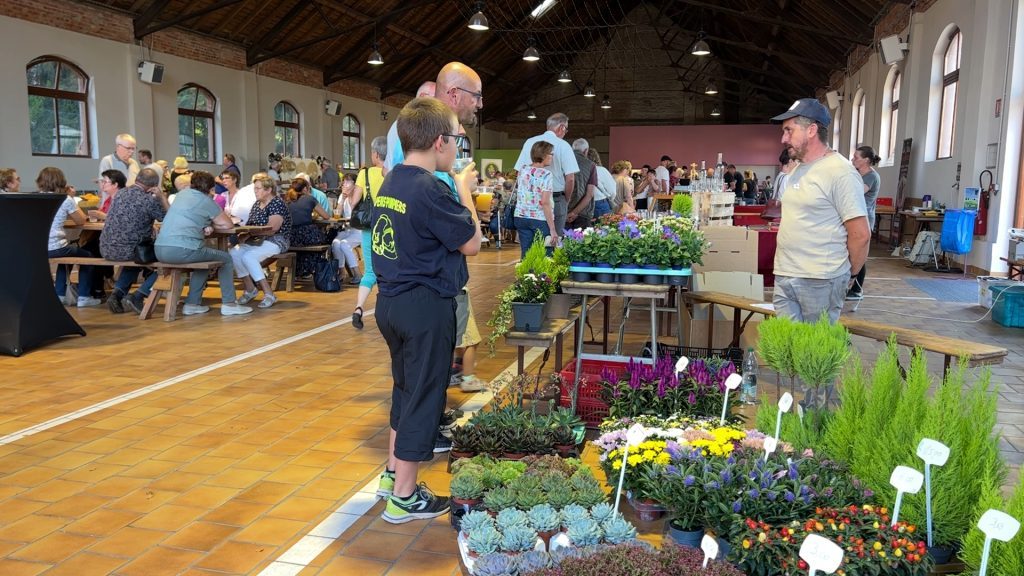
[520,360]
[558,351]
[607,315]
[735,328]
[711,324]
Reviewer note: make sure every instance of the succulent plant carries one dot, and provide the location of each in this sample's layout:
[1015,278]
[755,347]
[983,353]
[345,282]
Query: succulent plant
[465,439]
[585,532]
[562,436]
[602,512]
[500,498]
[552,480]
[582,480]
[527,499]
[525,482]
[511,517]
[518,539]
[536,441]
[484,540]
[475,520]
[539,465]
[467,486]
[514,440]
[491,443]
[560,496]
[544,518]
[617,530]
[495,564]
[572,513]
[532,560]
[564,553]
[591,496]
[491,478]
[563,416]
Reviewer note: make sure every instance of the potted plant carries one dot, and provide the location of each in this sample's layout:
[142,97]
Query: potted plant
[584,531]
[559,303]
[466,489]
[617,530]
[637,559]
[499,499]
[465,442]
[563,439]
[579,250]
[545,520]
[484,540]
[475,520]
[495,564]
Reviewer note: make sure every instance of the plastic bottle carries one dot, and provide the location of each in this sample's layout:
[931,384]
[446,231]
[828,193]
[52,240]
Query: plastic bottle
[748,388]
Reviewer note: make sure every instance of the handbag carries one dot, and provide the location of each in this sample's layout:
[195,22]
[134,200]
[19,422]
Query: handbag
[145,252]
[362,214]
[326,276]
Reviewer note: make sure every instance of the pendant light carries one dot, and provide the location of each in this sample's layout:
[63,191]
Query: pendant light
[710,89]
[700,47]
[606,103]
[589,91]
[531,115]
[564,76]
[531,54]
[375,58]
[715,111]
[478,21]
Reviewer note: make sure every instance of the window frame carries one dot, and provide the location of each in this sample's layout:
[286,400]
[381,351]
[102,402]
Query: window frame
[837,126]
[57,94]
[857,117]
[894,109]
[947,131]
[195,113]
[347,135]
[285,125]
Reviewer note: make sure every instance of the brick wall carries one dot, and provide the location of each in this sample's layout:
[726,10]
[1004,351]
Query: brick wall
[117,26]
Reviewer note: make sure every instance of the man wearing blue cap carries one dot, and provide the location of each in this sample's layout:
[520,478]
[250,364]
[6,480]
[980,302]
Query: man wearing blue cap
[824,235]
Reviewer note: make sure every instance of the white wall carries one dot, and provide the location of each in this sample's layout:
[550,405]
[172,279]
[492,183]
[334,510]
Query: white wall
[986,29]
[245,105]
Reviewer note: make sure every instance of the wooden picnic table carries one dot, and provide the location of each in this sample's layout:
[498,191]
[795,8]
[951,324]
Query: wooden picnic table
[220,236]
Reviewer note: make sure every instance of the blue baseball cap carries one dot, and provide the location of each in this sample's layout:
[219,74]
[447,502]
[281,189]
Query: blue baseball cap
[808,108]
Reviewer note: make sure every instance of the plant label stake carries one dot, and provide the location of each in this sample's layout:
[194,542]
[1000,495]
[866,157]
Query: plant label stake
[710,547]
[731,383]
[770,444]
[934,453]
[821,554]
[785,403]
[800,412]
[681,364]
[998,525]
[904,479]
[634,436]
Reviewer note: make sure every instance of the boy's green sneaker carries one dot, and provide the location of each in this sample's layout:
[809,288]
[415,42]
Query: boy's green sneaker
[386,485]
[422,505]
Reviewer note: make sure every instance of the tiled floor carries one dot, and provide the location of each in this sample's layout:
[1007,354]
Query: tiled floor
[231,460]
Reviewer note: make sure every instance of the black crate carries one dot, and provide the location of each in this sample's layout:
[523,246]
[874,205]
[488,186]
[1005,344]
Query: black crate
[733,353]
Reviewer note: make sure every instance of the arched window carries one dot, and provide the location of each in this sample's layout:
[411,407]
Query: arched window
[287,133]
[196,107]
[350,142]
[890,116]
[837,126]
[950,83]
[58,117]
[857,121]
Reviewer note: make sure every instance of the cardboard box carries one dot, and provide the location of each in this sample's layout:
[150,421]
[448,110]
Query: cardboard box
[733,249]
[743,284]
[984,294]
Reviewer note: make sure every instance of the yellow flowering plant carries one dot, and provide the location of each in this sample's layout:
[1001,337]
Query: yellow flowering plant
[647,456]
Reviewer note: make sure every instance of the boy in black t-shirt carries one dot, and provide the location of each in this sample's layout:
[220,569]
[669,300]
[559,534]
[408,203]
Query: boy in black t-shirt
[421,236]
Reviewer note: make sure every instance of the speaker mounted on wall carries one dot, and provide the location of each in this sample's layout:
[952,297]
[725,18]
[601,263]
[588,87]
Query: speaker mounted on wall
[332,107]
[892,49]
[151,72]
[834,98]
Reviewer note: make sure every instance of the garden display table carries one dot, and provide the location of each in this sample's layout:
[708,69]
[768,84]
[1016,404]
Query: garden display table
[650,292]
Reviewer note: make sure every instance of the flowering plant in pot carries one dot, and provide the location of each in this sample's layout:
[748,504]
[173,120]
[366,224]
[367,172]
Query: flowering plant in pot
[870,544]
[657,389]
[638,558]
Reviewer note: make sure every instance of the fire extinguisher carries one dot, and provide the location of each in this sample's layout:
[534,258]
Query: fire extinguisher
[981,218]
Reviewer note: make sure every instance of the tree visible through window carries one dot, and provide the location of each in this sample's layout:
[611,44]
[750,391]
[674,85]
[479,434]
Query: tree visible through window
[350,142]
[57,116]
[196,106]
[286,130]
[950,82]
[894,113]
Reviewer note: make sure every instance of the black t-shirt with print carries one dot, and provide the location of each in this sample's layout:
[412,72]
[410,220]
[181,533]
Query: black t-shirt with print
[418,227]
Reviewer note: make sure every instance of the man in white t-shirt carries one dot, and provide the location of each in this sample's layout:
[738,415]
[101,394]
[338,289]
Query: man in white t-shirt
[563,168]
[824,235]
[661,175]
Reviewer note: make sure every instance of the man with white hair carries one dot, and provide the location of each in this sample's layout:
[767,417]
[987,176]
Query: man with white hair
[121,159]
[563,167]
[581,205]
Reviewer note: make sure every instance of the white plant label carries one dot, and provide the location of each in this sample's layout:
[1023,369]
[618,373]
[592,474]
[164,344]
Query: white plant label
[786,402]
[636,434]
[710,547]
[906,479]
[933,452]
[998,525]
[821,554]
[731,383]
[682,363]
[800,411]
[770,444]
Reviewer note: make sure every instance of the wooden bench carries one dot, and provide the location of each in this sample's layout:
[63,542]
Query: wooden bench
[284,267]
[316,248]
[168,285]
[977,354]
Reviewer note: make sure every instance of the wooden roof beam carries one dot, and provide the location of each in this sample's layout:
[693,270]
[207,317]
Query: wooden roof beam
[862,40]
[144,28]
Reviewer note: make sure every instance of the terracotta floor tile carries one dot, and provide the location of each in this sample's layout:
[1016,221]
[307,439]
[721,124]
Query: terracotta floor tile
[237,512]
[327,488]
[272,531]
[48,448]
[104,445]
[30,528]
[410,528]
[142,500]
[31,477]
[75,506]
[237,478]
[181,453]
[261,461]
[16,508]
[87,564]
[378,545]
[266,492]
[102,522]
[177,481]
[204,496]
[353,471]
[53,548]
[128,456]
[301,508]
[294,474]
[160,560]
[129,542]
[94,472]
[346,566]
[150,469]
[209,465]
[236,557]
[367,455]
[116,486]
[437,540]
[71,460]
[424,564]
[202,536]
[169,517]
[19,568]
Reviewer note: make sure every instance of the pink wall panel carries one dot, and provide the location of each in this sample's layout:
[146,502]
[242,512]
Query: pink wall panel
[750,144]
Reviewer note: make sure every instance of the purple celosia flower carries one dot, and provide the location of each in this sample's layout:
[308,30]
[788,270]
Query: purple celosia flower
[692,399]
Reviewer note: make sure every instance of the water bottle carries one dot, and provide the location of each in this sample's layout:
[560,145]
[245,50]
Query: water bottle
[748,389]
